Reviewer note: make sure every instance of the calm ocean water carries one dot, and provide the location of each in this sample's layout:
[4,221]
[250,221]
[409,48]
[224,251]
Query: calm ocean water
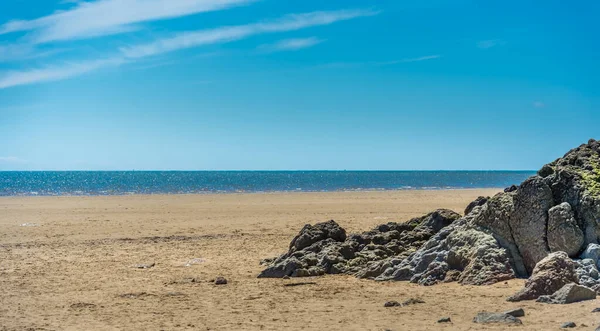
[177,182]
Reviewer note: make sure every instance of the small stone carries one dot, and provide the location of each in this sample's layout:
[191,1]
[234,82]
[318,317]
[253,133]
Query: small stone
[144,265]
[392,304]
[517,312]
[412,301]
[596,310]
[568,325]
[485,318]
[220,281]
[444,320]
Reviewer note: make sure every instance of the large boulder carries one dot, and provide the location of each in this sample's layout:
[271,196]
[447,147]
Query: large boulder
[549,275]
[569,293]
[563,232]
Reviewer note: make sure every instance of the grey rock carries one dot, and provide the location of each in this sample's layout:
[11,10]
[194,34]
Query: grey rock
[444,320]
[220,281]
[267,261]
[486,318]
[592,251]
[552,273]
[596,310]
[480,201]
[517,312]
[528,221]
[545,171]
[392,304]
[311,234]
[499,238]
[587,273]
[412,301]
[326,249]
[471,255]
[563,233]
[144,265]
[569,293]
[568,325]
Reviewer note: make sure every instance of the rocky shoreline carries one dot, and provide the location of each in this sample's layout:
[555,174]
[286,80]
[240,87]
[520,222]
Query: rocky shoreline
[547,229]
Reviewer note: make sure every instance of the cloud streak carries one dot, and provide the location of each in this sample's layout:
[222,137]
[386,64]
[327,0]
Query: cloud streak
[16,78]
[486,44]
[291,22]
[107,17]
[346,65]
[226,34]
[408,60]
[291,44]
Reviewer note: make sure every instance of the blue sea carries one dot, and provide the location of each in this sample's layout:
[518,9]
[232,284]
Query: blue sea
[28,183]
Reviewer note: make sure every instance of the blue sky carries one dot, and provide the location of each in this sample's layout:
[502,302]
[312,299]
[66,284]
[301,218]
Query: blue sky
[266,84]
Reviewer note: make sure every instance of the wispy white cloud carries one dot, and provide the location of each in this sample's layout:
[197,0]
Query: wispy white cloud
[15,51]
[407,60]
[53,73]
[181,41]
[290,22]
[539,104]
[19,52]
[346,65]
[291,44]
[485,44]
[106,17]
[11,159]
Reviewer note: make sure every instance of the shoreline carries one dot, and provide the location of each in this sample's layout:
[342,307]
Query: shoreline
[259,193]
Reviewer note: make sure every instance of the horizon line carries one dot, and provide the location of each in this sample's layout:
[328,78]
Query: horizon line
[281,170]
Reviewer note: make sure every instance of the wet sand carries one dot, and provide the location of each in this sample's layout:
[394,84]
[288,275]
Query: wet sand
[66,263]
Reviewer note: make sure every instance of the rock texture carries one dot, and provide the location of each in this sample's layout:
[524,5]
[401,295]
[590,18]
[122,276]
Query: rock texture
[517,312]
[326,249]
[552,273]
[486,318]
[556,210]
[563,232]
[569,293]
[502,237]
[480,201]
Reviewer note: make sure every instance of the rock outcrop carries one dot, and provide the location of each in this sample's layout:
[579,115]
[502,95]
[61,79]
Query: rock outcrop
[502,237]
[325,249]
[556,210]
[457,253]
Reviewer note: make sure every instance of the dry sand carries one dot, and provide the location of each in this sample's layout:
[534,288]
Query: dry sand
[66,264]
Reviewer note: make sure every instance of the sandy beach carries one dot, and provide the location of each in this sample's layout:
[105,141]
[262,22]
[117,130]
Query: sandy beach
[68,263]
